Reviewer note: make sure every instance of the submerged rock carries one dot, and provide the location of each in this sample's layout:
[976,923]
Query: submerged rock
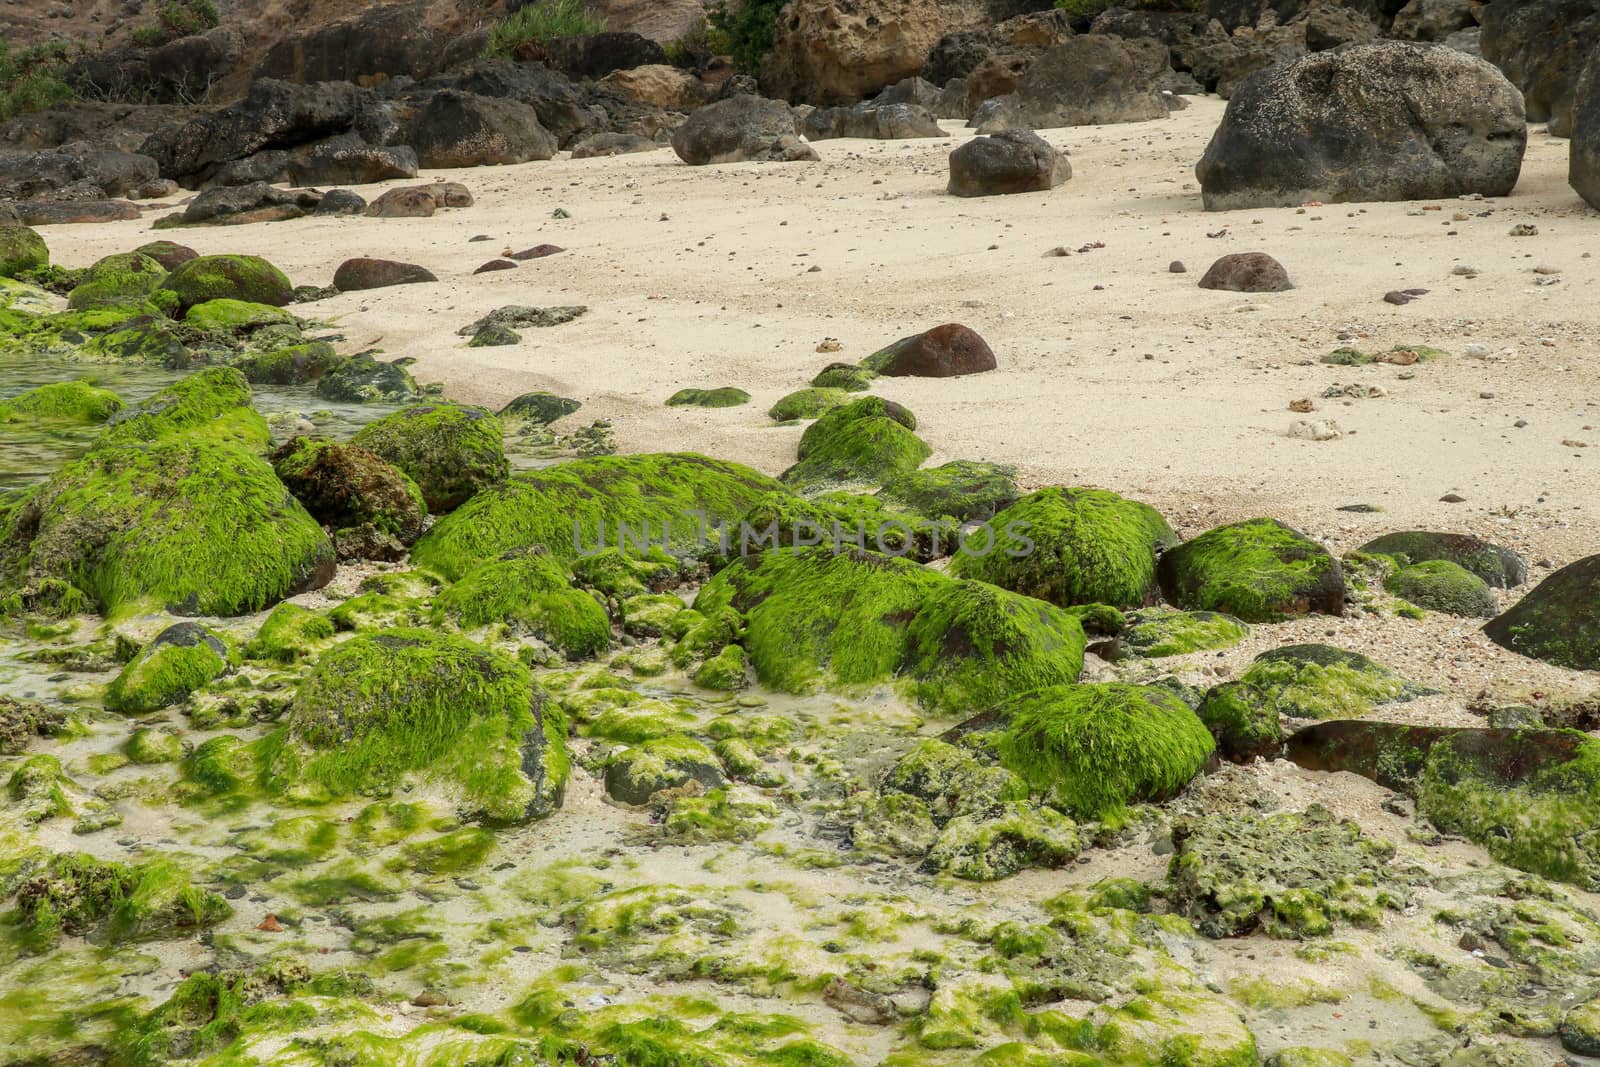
[77,402]
[357,379]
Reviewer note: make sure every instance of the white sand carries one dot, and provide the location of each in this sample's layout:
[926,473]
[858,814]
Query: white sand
[698,277]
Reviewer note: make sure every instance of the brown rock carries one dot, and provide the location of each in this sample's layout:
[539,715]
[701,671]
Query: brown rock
[1247,272]
[36,213]
[946,351]
[494,265]
[659,85]
[355,275]
[536,252]
[412,203]
[839,51]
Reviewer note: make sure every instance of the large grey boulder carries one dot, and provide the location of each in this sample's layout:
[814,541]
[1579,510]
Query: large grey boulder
[456,129]
[740,129]
[1583,167]
[1381,121]
[1542,45]
[1014,161]
[1093,80]
[888,122]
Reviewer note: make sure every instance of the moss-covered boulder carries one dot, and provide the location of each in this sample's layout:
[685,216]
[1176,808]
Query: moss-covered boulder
[229,277]
[854,619]
[168,253]
[722,397]
[144,338]
[1071,546]
[21,250]
[1500,567]
[451,450]
[1291,875]
[380,708]
[635,774]
[1166,1027]
[181,659]
[609,502]
[1558,621]
[77,895]
[213,405]
[362,379]
[187,523]
[80,402]
[289,634]
[542,408]
[1159,633]
[148,746]
[1091,750]
[346,485]
[228,316]
[1258,570]
[1580,1028]
[725,672]
[995,843]
[964,490]
[289,364]
[532,593]
[865,442]
[838,520]
[950,780]
[847,376]
[1440,585]
[807,404]
[125,279]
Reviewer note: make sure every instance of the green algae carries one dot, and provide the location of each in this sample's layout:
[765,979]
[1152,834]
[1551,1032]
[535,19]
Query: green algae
[1072,546]
[290,634]
[181,659]
[213,404]
[80,896]
[724,397]
[1303,682]
[228,277]
[452,451]
[608,502]
[1157,634]
[379,707]
[533,594]
[837,519]
[1257,571]
[963,490]
[1093,749]
[149,746]
[1440,585]
[807,404]
[1556,621]
[121,280]
[635,774]
[21,250]
[229,316]
[724,672]
[79,402]
[995,843]
[846,376]
[289,364]
[864,442]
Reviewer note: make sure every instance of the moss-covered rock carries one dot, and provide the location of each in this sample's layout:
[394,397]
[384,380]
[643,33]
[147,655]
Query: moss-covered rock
[1291,875]
[807,404]
[963,490]
[211,405]
[724,672]
[635,774]
[837,520]
[864,442]
[228,316]
[79,896]
[859,618]
[580,508]
[378,708]
[1258,571]
[614,573]
[23,720]
[167,253]
[1580,1029]
[1500,567]
[1091,750]
[79,401]
[362,379]
[951,781]
[847,376]
[451,450]
[722,397]
[995,843]
[181,659]
[1306,1056]
[127,278]
[1157,634]
[1558,621]
[539,407]
[347,485]
[532,593]
[1071,546]
[21,250]
[144,338]
[1161,1028]
[1439,585]
[289,364]
[229,277]
[149,745]
[289,635]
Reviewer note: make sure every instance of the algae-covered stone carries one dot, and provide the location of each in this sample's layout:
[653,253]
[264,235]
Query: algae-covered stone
[167,253]
[1157,634]
[1440,585]
[289,364]
[380,707]
[634,775]
[1500,567]
[181,659]
[213,404]
[149,746]
[230,277]
[998,842]
[143,338]
[1091,750]
[228,316]
[864,442]
[347,485]
[1258,571]
[1071,546]
[807,404]
[124,279]
[614,573]
[77,895]
[23,720]
[723,397]
[859,618]
[1580,1029]
[539,407]
[79,401]
[951,781]
[850,377]
[964,490]
[289,634]
[1558,621]
[839,519]
[21,250]
[723,672]
[362,379]
[1305,1056]
[1291,875]
[532,593]
[1195,1030]
[451,450]
[608,502]
[197,526]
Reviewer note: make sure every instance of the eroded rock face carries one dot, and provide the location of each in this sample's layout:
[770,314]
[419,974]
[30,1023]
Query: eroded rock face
[1542,46]
[1384,121]
[838,51]
[1092,80]
[884,123]
[1010,161]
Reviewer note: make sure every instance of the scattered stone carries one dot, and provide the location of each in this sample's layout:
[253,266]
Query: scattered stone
[514,316]
[724,397]
[496,265]
[356,275]
[1524,229]
[1012,161]
[1177,267]
[739,129]
[1315,430]
[536,252]
[946,351]
[1247,272]
[541,408]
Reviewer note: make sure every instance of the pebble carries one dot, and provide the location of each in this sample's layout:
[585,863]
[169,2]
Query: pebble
[1524,229]
[1315,430]
[1177,267]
